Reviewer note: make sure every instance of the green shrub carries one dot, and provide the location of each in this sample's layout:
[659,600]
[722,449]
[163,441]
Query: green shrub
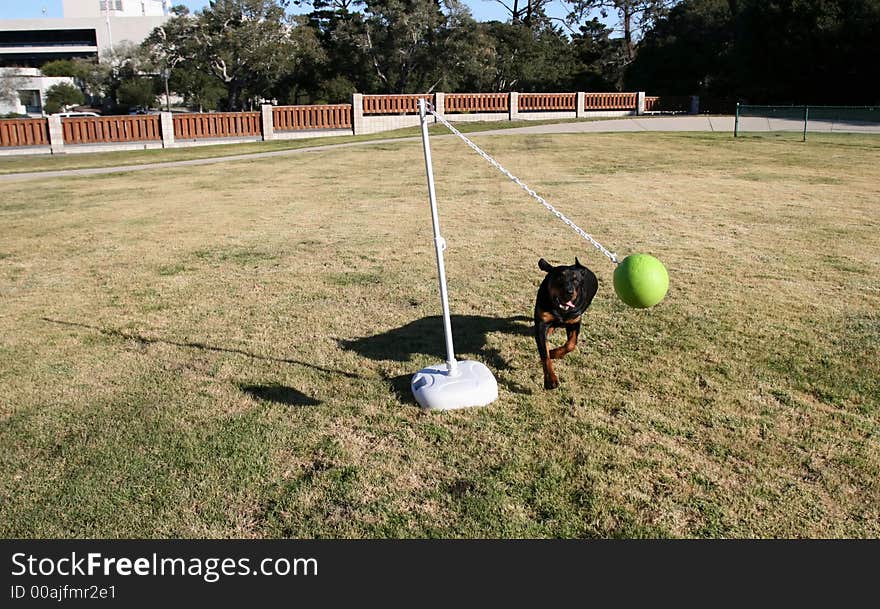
[61,67]
[137,92]
[62,95]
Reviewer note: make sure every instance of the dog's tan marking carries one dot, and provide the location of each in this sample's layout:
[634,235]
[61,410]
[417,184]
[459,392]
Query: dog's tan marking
[568,347]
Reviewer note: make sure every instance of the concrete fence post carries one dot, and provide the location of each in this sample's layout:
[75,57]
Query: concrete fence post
[514,106]
[166,127]
[56,135]
[440,103]
[640,103]
[268,122]
[580,100]
[357,113]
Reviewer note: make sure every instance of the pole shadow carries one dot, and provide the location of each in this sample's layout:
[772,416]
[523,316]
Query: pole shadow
[280,394]
[272,392]
[196,345]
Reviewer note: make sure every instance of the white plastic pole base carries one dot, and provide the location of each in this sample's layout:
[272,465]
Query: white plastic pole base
[472,384]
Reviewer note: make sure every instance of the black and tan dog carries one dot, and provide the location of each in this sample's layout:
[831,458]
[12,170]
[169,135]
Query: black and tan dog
[564,295]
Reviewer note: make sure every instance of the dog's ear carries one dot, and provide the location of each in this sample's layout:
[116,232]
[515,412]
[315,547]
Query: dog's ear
[545,266]
[578,264]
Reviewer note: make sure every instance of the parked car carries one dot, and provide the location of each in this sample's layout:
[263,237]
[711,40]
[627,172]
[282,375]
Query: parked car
[75,114]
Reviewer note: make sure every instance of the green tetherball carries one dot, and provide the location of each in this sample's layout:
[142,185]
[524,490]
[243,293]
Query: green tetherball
[641,281]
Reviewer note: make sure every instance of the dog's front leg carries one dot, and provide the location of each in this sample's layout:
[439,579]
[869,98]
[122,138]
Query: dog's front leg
[551,381]
[572,331]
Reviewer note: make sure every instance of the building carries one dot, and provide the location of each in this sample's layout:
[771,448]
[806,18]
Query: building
[23,90]
[117,8]
[89,28]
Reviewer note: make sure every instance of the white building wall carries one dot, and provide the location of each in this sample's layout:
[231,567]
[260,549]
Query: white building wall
[27,79]
[133,29]
[116,8]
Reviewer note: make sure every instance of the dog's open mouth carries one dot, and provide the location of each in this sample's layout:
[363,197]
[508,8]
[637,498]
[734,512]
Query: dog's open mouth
[565,306]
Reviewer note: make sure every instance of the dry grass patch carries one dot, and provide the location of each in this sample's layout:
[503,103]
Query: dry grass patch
[225,350]
[86,160]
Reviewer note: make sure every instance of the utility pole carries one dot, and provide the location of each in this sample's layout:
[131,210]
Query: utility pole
[167,73]
[109,29]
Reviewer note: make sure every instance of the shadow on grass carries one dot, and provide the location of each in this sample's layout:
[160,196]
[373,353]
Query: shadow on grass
[400,386]
[195,345]
[280,394]
[425,337]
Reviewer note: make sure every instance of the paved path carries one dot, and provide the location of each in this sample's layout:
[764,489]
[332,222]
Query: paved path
[619,125]
[723,124]
[40,175]
[622,125]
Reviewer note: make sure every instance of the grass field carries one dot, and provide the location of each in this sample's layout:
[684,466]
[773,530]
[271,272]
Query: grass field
[224,351]
[88,160]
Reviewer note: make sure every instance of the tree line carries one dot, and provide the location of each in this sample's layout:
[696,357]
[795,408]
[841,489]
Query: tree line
[235,54]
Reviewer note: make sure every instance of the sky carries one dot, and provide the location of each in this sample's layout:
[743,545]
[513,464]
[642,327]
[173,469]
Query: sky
[483,10]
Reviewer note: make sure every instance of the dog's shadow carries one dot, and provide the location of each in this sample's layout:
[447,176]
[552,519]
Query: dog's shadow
[425,337]
[279,394]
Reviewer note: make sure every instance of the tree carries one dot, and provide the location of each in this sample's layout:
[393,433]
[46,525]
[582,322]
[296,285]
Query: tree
[525,12]
[341,34]
[633,16]
[93,78]
[399,37]
[10,83]
[327,9]
[600,58]
[243,44]
[531,59]
[60,67]
[467,56]
[807,51]
[63,96]
[307,76]
[687,52]
[764,51]
[121,70]
[199,89]
[90,76]
[137,92]
[172,47]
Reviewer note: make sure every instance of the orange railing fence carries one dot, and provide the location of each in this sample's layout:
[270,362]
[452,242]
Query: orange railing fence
[24,132]
[610,101]
[217,124]
[667,103]
[394,104]
[106,129]
[329,116]
[552,102]
[476,102]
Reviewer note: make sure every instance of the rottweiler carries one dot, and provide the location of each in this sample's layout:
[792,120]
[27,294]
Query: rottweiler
[564,295]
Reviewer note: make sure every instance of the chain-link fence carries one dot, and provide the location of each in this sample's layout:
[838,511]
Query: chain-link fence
[806,119]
